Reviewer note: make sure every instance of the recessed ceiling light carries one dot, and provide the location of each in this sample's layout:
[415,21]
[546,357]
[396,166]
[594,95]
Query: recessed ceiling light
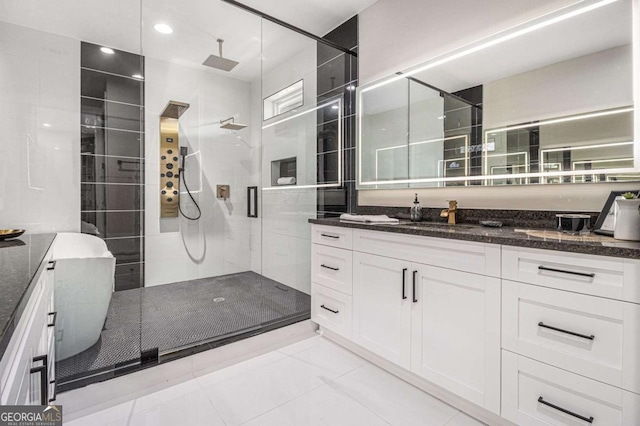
[163,28]
[138,76]
[46,125]
[335,107]
[107,50]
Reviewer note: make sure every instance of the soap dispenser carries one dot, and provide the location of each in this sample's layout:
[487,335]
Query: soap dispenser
[416,211]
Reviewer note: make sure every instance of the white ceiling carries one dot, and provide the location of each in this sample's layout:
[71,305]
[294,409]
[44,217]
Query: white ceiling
[196,24]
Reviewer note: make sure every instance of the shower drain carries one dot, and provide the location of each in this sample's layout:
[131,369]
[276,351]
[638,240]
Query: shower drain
[218,299]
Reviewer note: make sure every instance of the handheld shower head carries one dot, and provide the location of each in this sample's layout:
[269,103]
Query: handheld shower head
[229,124]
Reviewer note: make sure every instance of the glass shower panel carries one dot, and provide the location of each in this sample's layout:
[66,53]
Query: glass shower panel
[75,132]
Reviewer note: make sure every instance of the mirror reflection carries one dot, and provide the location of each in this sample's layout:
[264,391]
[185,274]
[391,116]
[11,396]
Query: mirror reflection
[550,101]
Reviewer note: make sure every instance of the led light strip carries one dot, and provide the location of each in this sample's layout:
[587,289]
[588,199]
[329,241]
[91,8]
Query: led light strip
[495,39]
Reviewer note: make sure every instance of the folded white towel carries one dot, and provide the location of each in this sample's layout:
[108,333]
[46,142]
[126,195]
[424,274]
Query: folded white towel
[286,181]
[381,218]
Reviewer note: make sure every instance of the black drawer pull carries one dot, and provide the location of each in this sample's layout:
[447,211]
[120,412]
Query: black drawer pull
[51,266]
[548,404]
[330,236]
[404,284]
[415,299]
[55,391]
[330,310]
[55,317]
[584,336]
[582,274]
[329,267]
[44,378]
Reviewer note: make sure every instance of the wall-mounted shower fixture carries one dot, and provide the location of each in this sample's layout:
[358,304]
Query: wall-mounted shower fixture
[169,161]
[218,62]
[230,124]
[223,191]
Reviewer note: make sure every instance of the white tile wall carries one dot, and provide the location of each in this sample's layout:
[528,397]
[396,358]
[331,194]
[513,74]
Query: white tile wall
[39,166]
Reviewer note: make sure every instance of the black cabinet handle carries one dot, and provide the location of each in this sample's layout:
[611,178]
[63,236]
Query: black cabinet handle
[404,284]
[55,317]
[51,266]
[330,236]
[584,336]
[415,299]
[571,413]
[330,310]
[329,267]
[55,391]
[582,274]
[44,378]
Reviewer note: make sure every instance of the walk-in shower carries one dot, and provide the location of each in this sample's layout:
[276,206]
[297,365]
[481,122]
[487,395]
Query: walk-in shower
[148,132]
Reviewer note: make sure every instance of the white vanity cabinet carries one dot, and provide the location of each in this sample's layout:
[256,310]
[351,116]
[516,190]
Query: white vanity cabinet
[382,306]
[533,337]
[415,304]
[27,368]
[570,338]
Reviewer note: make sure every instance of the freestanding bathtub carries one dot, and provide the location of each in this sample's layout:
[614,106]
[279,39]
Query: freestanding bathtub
[84,280]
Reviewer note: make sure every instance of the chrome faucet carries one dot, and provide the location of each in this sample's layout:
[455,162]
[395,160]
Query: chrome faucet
[450,212]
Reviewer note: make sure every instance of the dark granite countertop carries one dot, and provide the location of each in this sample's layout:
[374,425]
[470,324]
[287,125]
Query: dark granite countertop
[19,262]
[533,238]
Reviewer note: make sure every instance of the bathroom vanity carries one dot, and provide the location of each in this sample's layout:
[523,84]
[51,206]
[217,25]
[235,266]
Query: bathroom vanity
[27,321]
[507,325]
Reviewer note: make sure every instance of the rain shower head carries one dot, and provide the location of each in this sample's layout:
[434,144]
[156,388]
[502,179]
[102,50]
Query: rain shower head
[231,125]
[218,62]
[174,109]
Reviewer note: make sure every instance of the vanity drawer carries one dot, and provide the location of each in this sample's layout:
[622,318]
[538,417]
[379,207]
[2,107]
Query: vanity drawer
[534,393]
[610,277]
[466,256]
[592,336]
[332,267]
[331,309]
[333,236]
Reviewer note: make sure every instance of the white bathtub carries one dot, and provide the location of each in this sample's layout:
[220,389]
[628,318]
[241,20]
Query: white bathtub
[84,280]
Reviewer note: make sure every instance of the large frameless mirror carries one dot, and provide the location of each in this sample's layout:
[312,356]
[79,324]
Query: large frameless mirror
[549,101]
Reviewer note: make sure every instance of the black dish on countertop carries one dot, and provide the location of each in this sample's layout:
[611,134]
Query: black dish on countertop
[491,223]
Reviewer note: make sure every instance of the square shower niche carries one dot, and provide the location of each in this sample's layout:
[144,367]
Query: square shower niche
[284,169]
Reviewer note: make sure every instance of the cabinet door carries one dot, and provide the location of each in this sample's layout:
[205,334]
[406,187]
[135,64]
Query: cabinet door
[456,333]
[381,307]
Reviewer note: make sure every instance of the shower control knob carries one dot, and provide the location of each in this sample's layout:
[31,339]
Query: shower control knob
[175,158]
[169,174]
[169,151]
[175,192]
[169,184]
[164,157]
[169,166]
[164,192]
[169,200]
[176,176]
[162,174]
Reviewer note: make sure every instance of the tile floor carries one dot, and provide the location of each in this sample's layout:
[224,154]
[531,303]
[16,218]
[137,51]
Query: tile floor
[311,382]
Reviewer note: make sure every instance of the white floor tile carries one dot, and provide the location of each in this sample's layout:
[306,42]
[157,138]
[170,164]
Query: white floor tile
[330,356]
[111,416]
[254,392]
[462,419]
[394,400]
[303,345]
[192,409]
[240,368]
[322,406]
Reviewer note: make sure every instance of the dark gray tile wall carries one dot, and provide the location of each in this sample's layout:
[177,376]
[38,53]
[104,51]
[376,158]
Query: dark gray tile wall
[112,157]
[337,78]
